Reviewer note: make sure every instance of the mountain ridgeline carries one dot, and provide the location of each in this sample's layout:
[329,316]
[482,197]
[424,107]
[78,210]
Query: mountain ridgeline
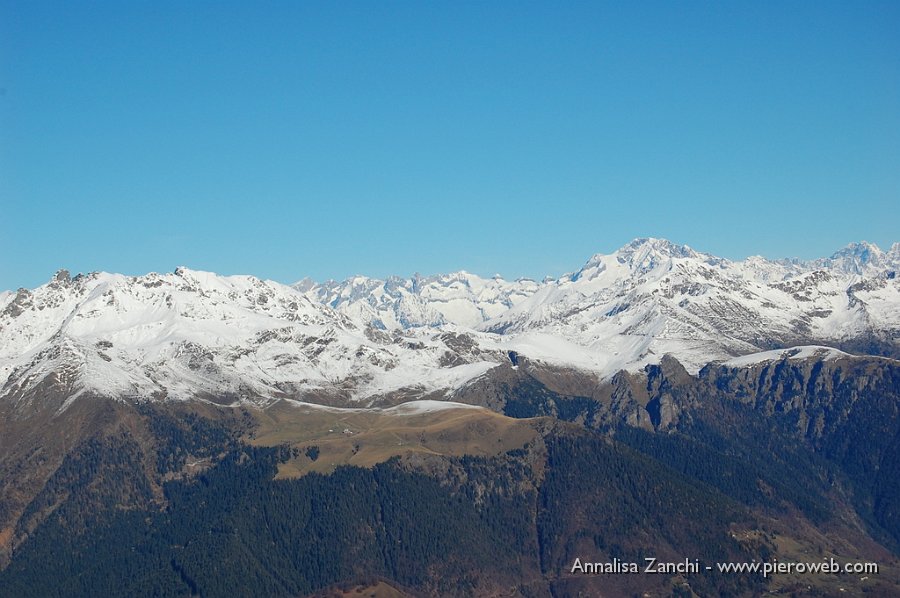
[194,435]
[366,342]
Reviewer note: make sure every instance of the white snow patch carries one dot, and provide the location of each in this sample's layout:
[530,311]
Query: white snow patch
[427,406]
[795,353]
[408,408]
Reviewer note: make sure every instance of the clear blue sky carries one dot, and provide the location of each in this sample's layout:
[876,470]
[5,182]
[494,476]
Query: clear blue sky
[323,139]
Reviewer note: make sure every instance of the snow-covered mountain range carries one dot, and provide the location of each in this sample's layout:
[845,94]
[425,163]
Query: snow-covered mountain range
[192,334]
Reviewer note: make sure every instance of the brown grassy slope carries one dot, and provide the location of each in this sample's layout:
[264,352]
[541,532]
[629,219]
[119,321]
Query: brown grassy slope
[365,438]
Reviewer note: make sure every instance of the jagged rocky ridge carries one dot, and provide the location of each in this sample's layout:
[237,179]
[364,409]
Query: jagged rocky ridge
[197,335]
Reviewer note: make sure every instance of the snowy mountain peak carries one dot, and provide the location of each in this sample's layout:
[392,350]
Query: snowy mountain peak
[857,258]
[862,250]
[195,334]
[191,333]
[459,298]
[644,255]
[304,284]
[658,247]
[62,277]
[640,256]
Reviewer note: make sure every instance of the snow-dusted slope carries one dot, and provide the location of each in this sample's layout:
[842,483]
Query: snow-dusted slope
[653,297]
[194,334]
[463,299]
[795,353]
